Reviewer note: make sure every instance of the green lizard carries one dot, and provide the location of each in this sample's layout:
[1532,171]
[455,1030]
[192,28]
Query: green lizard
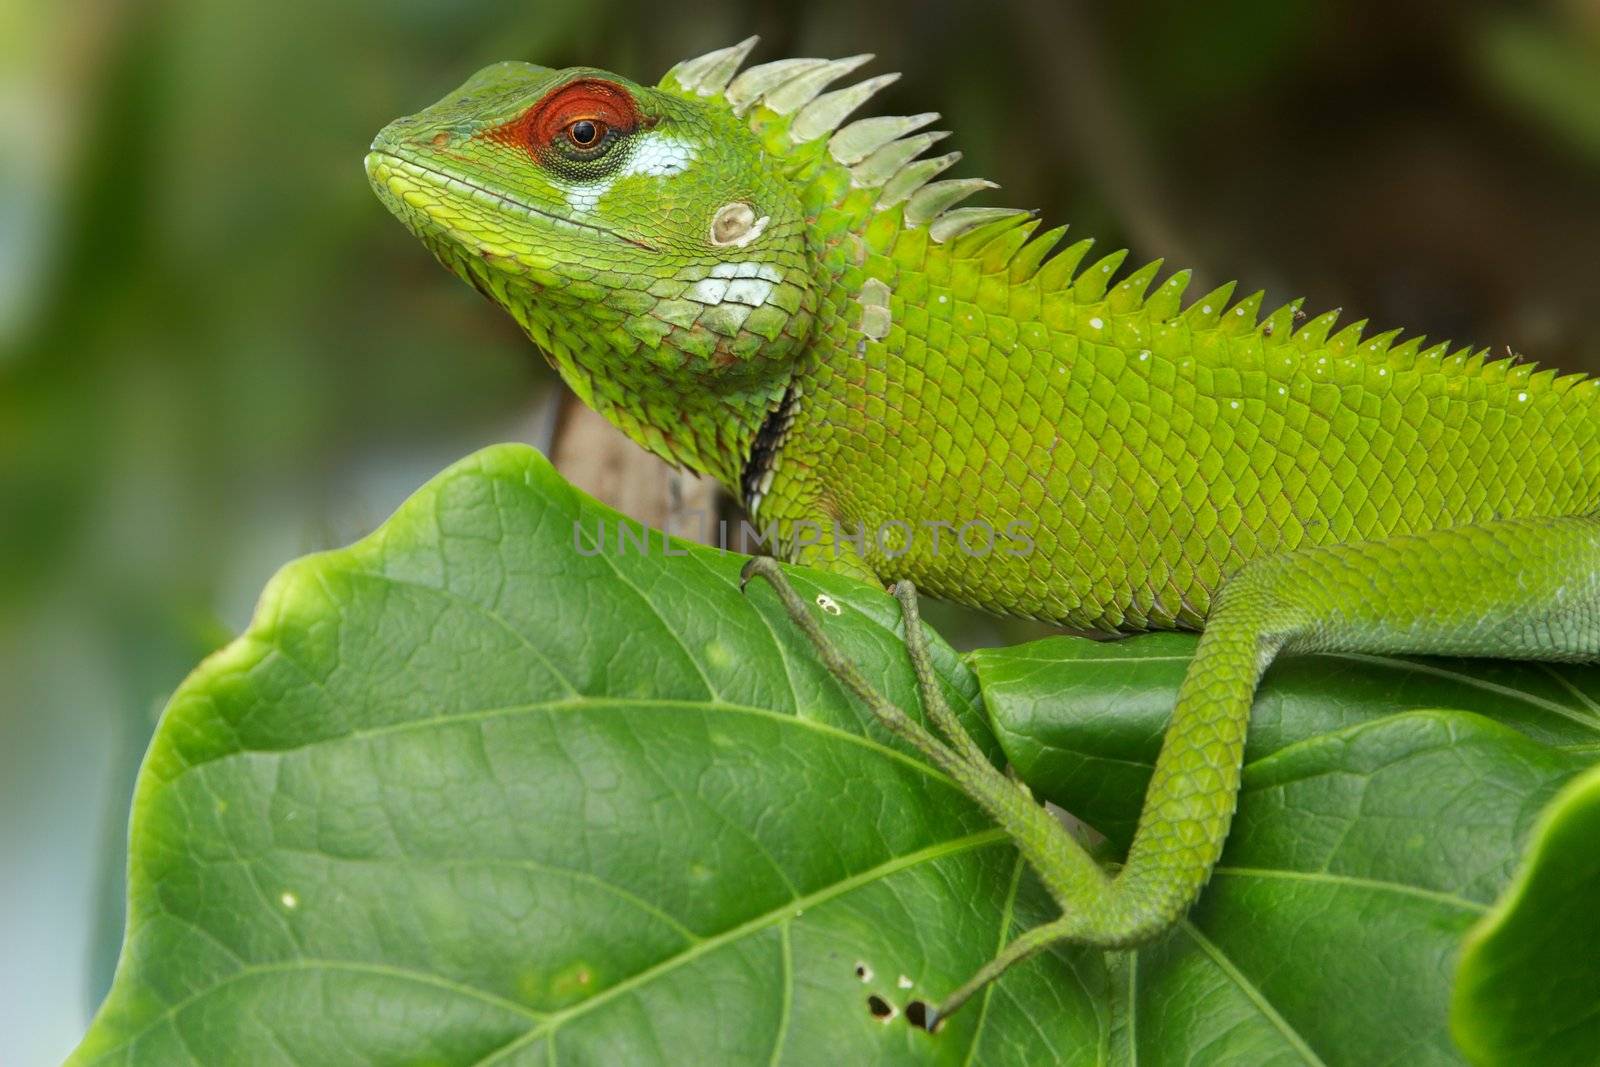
[751,289]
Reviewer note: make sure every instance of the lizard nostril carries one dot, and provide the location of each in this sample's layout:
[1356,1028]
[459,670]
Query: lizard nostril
[441,139]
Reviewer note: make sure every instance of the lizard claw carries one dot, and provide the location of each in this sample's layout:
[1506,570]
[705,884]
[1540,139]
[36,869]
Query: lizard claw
[757,567]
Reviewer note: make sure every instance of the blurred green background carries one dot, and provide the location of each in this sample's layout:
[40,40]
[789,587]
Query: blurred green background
[218,352]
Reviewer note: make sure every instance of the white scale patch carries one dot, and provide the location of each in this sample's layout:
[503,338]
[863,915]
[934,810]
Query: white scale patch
[656,155]
[875,315]
[736,283]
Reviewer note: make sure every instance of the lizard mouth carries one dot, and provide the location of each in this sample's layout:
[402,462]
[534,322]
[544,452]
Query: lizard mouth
[465,188]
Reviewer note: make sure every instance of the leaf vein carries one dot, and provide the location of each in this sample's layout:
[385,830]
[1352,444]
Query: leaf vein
[1253,994]
[760,922]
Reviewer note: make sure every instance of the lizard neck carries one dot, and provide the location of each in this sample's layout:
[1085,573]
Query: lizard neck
[697,406]
[706,423]
[864,236]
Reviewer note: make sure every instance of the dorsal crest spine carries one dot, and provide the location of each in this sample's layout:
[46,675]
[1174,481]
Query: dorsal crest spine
[885,153]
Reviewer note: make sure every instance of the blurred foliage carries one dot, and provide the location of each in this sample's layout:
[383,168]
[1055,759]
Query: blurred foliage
[217,351]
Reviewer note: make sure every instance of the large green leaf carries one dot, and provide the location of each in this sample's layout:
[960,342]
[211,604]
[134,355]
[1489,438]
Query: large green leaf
[1529,986]
[465,794]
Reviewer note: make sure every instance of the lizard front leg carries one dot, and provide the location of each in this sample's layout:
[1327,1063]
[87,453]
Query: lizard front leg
[958,756]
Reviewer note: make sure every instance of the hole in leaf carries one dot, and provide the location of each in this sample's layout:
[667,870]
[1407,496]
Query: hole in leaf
[881,1009]
[863,972]
[918,1013]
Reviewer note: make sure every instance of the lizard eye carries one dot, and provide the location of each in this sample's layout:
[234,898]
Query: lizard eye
[586,138]
[574,125]
[585,133]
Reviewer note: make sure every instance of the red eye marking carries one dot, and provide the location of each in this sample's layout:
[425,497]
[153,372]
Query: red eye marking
[579,114]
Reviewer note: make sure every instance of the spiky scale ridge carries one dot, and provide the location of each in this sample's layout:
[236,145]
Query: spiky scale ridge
[824,114]
[881,151]
[709,74]
[882,155]
[1096,278]
[752,86]
[879,166]
[954,222]
[1314,334]
[861,138]
[1129,293]
[1378,345]
[1241,317]
[1207,311]
[1346,340]
[1059,272]
[913,176]
[933,199]
[1167,301]
[994,236]
[1025,264]
[1281,322]
[797,92]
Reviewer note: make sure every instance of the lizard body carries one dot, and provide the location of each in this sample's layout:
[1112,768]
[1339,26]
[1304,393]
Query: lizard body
[915,390]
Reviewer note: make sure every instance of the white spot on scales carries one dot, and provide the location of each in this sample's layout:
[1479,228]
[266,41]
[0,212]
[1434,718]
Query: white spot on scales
[876,318]
[736,283]
[655,155]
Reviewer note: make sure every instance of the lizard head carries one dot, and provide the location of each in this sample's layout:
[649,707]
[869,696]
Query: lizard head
[640,236]
[678,250]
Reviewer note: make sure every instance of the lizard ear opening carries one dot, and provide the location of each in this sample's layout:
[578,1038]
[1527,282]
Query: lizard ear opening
[736,225]
[580,120]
